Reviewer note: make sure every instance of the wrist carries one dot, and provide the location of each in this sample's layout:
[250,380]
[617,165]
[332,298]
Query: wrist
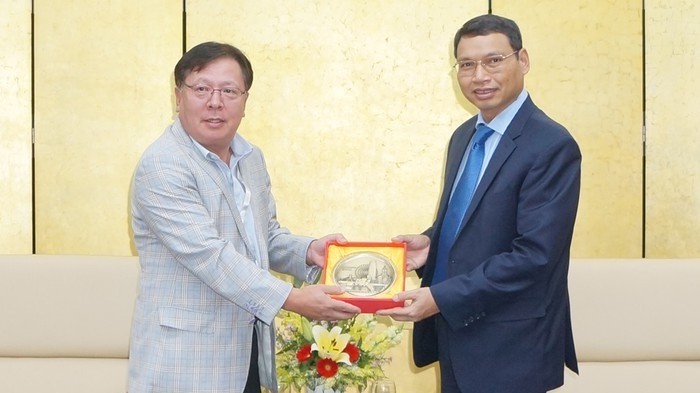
[291,301]
[310,253]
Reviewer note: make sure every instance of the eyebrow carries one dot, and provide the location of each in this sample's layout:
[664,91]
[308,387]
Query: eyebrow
[205,81]
[487,55]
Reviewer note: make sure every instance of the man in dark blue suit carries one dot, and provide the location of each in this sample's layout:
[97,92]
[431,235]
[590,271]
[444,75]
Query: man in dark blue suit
[493,307]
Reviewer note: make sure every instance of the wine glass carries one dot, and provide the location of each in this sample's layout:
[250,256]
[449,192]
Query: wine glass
[384,385]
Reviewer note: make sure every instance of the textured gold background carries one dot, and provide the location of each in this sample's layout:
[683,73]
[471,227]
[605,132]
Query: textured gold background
[353,103]
[587,74]
[15,128]
[673,147]
[103,92]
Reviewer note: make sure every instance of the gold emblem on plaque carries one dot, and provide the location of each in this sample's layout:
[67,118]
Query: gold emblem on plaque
[365,273]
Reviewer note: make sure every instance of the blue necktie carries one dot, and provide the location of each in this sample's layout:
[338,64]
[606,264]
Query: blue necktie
[459,202]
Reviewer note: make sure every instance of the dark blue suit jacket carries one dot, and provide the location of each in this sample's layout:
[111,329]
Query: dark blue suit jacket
[504,308]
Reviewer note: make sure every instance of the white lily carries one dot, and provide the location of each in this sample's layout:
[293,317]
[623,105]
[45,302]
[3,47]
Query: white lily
[330,345]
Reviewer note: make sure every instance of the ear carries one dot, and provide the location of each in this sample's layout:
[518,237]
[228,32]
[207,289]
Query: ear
[178,98]
[245,102]
[524,61]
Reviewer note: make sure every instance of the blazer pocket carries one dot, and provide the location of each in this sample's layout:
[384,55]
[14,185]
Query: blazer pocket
[188,320]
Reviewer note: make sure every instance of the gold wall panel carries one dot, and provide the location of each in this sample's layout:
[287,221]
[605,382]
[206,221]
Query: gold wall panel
[673,147]
[586,73]
[353,103]
[16,127]
[103,93]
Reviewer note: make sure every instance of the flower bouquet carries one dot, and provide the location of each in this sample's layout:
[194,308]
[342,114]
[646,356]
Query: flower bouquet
[332,356]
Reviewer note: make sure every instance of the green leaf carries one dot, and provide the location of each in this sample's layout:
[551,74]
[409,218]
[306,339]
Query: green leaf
[306,329]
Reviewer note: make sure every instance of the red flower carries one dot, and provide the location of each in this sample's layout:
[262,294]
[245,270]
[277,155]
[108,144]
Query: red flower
[352,350]
[326,368]
[304,353]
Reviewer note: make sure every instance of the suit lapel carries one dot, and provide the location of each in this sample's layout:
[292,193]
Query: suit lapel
[505,148]
[248,166]
[214,174]
[458,147]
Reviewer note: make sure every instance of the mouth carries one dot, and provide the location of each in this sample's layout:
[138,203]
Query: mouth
[214,121]
[484,93]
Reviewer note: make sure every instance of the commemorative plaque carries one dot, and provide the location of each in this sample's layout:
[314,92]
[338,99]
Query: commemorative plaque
[370,273]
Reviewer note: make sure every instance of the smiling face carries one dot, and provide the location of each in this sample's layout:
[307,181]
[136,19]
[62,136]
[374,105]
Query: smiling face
[212,120]
[492,91]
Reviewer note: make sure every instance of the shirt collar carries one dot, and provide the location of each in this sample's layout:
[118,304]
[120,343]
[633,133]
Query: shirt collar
[503,119]
[239,146]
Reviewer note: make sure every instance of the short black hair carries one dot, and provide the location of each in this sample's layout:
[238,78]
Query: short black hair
[489,24]
[199,56]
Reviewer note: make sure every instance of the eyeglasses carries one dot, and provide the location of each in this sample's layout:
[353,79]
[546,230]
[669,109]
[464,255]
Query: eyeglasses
[491,64]
[204,91]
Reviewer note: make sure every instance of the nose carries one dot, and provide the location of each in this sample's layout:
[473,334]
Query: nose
[215,100]
[480,71]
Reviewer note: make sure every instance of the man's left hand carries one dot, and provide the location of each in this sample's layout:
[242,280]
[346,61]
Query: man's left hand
[316,254]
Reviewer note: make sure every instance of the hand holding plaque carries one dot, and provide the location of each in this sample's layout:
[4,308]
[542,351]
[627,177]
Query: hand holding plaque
[370,273]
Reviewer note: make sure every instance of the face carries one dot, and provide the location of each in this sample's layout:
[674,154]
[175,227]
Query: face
[492,91]
[212,120]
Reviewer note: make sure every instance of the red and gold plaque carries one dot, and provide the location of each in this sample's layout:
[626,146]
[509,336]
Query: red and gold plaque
[370,273]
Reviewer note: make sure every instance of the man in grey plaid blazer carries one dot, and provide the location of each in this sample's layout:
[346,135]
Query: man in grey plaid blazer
[205,227]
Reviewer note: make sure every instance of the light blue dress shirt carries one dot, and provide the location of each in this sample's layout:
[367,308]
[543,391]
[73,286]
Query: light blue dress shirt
[499,125]
[240,148]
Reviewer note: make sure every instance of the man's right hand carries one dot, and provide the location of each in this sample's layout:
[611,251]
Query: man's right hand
[314,302]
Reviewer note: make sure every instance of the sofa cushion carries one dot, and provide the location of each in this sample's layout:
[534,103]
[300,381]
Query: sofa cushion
[66,306]
[63,375]
[637,309]
[633,377]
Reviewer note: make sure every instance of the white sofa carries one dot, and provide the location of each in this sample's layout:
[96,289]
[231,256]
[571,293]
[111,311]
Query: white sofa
[66,319]
[636,326]
[65,323]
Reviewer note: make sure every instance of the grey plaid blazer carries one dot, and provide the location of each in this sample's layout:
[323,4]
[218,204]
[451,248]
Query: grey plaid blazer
[201,289]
